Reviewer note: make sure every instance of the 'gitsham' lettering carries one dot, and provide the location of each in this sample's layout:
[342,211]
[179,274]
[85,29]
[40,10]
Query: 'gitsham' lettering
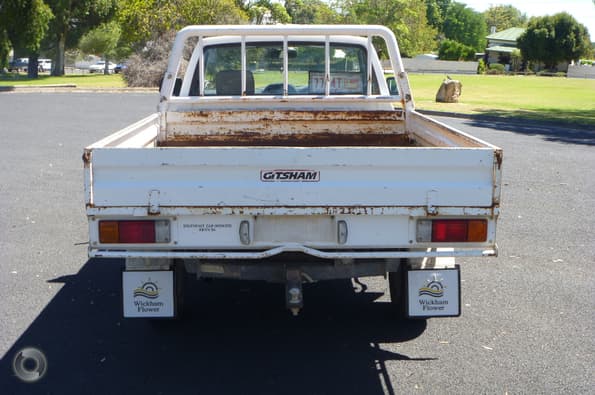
[290,175]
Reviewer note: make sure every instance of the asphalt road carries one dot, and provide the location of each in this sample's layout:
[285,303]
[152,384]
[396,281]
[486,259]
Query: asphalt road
[528,316]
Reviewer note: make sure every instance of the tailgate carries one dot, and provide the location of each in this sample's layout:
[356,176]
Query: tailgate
[293,177]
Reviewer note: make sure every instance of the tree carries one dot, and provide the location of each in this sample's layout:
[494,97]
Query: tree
[71,20]
[4,49]
[102,41]
[149,27]
[24,23]
[554,39]
[466,26]
[504,17]
[311,12]
[436,10]
[406,18]
[265,12]
[144,20]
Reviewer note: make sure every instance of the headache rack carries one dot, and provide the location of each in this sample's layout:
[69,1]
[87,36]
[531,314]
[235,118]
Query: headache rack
[285,34]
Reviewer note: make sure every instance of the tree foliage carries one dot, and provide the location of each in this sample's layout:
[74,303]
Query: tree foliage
[311,12]
[23,24]
[466,26]
[436,10]
[504,17]
[71,20]
[265,12]
[553,39]
[142,20]
[102,41]
[406,18]
[454,50]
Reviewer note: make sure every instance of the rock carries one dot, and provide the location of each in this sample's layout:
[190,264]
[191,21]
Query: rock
[449,92]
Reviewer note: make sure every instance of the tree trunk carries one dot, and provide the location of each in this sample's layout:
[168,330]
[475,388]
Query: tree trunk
[58,68]
[33,66]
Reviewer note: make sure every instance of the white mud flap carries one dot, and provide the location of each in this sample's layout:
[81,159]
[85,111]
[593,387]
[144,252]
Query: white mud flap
[148,294]
[434,293]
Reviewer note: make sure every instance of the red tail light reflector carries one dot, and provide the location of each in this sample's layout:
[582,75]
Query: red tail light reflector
[449,230]
[452,231]
[137,231]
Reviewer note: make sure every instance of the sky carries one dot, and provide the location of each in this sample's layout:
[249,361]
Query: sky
[582,10]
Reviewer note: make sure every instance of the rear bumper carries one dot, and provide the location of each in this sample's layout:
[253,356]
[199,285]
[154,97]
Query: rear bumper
[324,254]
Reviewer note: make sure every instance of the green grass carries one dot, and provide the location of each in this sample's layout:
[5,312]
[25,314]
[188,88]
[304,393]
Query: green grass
[81,81]
[296,78]
[544,98]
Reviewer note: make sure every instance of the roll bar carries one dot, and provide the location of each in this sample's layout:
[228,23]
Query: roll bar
[284,31]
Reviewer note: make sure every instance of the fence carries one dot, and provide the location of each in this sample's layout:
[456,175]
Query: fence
[432,66]
[579,71]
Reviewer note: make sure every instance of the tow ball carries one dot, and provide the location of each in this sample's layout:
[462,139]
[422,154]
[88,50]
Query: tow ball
[294,297]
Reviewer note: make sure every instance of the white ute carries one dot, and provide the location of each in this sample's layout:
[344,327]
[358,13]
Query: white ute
[282,153]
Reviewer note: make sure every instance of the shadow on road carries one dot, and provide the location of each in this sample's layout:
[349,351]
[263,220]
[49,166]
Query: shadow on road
[550,131]
[237,338]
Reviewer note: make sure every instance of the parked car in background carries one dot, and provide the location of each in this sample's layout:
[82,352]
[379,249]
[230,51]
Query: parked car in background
[19,64]
[120,67]
[99,67]
[44,65]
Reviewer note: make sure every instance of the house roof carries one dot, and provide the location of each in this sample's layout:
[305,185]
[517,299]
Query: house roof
[507,35]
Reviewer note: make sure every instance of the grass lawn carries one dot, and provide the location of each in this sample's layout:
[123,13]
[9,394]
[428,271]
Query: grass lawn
[81,81]
[544,98]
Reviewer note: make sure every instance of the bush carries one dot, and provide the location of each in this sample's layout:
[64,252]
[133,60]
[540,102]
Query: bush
[496,68]
[481,67]
[147,67]
[551,73]
[454,50]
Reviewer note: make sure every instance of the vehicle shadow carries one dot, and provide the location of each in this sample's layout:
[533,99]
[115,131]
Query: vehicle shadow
[236,338]
[554,131]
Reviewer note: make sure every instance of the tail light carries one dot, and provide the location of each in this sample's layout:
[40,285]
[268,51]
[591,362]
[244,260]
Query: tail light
[452,230]
[134,232]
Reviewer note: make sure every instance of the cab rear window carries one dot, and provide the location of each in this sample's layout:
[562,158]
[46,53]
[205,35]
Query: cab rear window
[264,70]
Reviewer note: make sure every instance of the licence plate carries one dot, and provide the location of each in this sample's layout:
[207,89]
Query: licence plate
[434,293]
[148,293]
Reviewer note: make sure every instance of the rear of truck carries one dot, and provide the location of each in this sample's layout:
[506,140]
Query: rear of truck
[284,154]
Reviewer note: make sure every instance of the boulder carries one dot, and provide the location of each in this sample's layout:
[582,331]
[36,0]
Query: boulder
[450,91]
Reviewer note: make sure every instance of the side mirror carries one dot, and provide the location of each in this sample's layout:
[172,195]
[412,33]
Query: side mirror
[392,86]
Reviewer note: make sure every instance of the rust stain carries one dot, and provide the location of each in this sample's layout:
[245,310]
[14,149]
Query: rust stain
[499,154]
[291,115]
[287,127]
[87,158]
[321,139]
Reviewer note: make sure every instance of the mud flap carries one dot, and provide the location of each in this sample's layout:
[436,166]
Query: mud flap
[433,293]
[149,294]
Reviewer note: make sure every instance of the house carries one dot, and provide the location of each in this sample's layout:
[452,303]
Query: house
[501,44]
